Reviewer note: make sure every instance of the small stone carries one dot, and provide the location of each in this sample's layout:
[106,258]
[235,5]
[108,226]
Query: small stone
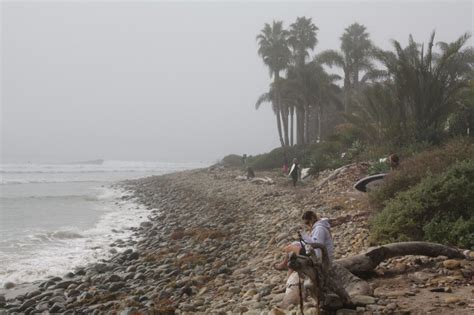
[27,304]
[134,256]
[440,289]
[56,308]
[146,224]
[202,291]
[63,284]
[250,293]
[31,294]
[391,306]
[346,311]
[451,264]
[41,307]
[187,307]
[8,285]
[452,299]
[131,269]
[116,286]
[114,278]
[362,300]
[276,311]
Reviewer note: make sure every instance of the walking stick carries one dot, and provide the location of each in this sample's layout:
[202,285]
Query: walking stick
[301,294]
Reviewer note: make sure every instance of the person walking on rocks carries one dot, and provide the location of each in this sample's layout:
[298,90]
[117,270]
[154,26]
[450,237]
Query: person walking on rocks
[285,164]
[294,171]
[320,233]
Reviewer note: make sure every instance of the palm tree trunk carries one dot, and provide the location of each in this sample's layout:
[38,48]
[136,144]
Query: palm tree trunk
[279,127]
[306,125]
[347,86]
[281,112]
[284,117]
[320,115]
[300,126]
[292,112]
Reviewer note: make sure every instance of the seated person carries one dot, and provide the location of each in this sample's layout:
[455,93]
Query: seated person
[320,233]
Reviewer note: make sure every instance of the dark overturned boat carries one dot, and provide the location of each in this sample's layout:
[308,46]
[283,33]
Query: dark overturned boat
[362,184]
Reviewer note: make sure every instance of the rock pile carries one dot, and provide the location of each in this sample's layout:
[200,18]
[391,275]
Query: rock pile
[209,245]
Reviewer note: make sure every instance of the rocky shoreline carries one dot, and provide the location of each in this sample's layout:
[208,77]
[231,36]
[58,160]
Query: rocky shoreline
[211,240]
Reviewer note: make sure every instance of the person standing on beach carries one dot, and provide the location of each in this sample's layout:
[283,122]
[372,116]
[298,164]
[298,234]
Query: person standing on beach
[294,171]
[244,160]
[285,164]
[393,161]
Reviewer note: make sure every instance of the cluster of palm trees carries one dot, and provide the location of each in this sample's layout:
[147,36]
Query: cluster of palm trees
[410,97]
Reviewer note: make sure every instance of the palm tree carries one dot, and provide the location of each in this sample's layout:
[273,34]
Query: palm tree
[327,94]
[273,48]
[354,57]
[421,89]
[302,38]
[288,97]
[310,90]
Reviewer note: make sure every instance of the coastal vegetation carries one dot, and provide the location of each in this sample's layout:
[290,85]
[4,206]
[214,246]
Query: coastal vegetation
[415,100]
[437,209]
[417,93]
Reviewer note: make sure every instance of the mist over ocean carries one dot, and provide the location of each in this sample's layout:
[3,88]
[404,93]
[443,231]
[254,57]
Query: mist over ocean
[54,217]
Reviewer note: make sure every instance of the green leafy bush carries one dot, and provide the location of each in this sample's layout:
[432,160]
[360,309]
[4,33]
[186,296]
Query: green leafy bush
[439,209]
[232,160]
[412,170]
[326,155]
[460,231]
[346,134]
[274,159]
[379,167]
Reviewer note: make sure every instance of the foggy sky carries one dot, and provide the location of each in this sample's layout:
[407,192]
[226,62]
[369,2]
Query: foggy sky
[166,81]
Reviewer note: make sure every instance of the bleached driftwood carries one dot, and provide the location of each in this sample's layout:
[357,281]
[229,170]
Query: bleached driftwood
[257,180]
[342,276]
[262,180]
[363,264]
[324,277]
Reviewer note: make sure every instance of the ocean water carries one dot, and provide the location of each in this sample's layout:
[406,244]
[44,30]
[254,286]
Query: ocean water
[54,217]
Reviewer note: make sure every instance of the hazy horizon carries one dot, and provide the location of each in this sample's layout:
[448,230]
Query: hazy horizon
[161,81]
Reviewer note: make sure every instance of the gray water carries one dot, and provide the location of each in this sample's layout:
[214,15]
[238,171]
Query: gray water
[56,217]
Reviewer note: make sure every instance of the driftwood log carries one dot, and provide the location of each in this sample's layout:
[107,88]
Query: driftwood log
[364,264]
[342,276]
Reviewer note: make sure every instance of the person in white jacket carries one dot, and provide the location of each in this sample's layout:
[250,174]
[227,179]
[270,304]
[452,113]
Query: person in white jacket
[320,233]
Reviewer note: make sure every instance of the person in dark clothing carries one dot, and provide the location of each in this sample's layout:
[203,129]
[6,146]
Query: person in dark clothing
[294,171]
[244,159]
[394,161]
[250,173]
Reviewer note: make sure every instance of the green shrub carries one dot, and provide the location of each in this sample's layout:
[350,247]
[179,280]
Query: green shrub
[232,160]
[460,231]
[412,170]
[379,167]
[439,209]
[274,159]
[346,134]
[326,155]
